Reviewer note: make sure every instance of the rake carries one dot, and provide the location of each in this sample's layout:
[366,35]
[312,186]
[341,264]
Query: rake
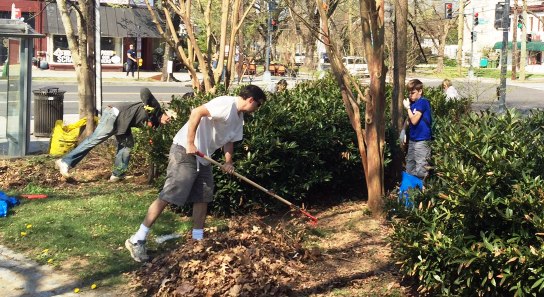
[256,185]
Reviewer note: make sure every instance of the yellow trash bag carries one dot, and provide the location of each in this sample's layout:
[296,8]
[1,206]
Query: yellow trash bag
[64,138]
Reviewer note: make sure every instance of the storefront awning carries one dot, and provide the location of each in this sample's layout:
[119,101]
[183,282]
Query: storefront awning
[535,46]
[114,22]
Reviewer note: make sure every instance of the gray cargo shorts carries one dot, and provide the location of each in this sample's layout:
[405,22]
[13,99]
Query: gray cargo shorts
[183,182]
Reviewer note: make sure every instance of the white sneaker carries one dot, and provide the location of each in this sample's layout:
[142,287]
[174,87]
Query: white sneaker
[137,250]
[114,179]
[62,167]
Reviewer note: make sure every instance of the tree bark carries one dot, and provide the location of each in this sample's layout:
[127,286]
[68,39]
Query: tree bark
[515,41]
[523,59]
[460,31]
[400,41]
[82,50]
[372,19]
[210,76]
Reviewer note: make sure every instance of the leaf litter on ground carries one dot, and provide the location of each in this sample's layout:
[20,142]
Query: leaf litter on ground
[249,259]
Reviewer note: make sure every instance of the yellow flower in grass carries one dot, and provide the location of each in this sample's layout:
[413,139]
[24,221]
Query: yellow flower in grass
[23,234]
[50,261]
[76,290]
[93,286]
[28,226]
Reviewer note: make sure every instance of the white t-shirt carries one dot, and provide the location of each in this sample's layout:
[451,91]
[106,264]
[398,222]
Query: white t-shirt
[224,125]
[451,93]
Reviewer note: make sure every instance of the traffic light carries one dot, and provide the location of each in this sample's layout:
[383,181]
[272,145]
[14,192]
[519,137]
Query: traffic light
[473,36]
[274,25]
[499,11]
[448,10]
[476,22]
[520,22]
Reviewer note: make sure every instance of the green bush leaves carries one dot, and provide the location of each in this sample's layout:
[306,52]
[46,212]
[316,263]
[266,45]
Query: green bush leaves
[479,229]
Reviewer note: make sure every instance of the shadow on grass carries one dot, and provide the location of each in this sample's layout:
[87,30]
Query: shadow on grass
[84,229]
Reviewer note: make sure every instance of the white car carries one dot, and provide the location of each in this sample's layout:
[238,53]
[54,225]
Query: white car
[356,66]
[299,59]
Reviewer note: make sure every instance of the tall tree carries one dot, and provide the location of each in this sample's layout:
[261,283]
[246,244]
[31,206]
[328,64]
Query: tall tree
[435,26]
[230,25]
[400,43]
[81,45]
[372,20]
[523,59]
[515,51]
[304,11]
[371,137]
[460,30]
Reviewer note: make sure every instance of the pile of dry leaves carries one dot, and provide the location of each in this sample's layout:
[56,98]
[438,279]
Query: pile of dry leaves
[250,259]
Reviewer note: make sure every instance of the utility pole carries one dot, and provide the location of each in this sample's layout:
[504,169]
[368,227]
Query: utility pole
[460,30]
[523,59]
[98,49]
[504,53]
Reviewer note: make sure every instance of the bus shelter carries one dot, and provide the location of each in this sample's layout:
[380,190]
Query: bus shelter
[16,53]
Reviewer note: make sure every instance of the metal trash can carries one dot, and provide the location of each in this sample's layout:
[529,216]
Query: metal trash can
[48,108]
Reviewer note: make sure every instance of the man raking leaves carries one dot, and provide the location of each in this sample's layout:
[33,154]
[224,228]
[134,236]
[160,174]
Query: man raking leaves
[216,124]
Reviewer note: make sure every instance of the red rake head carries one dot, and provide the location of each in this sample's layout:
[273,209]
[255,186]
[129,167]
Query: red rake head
[313,219]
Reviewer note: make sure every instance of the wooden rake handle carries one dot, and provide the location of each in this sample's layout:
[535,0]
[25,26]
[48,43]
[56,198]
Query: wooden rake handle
[256,185]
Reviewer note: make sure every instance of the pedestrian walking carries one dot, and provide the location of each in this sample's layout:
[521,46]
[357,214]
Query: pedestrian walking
[131,60]
[218,123]
[117,121]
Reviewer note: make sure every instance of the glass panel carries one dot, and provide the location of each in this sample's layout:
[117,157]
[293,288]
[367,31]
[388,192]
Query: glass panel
[14,127]
[4,62]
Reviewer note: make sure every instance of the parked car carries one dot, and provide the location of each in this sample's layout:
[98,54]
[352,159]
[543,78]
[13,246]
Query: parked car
[356,66]
[299,59]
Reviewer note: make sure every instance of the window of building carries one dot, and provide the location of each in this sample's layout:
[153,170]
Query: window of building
[107,43]
[60,41]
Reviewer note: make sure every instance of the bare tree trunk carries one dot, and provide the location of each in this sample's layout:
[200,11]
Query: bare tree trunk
[460,31]
[442,47]
[166,58]
[82,50]
[372,19]
[515,41]
[400,41]
[183,9]
[523,59]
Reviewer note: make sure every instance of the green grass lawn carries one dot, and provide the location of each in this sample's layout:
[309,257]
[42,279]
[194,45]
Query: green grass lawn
[452,72]
[83,228]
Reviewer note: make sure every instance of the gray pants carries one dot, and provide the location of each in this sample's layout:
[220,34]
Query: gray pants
[417,158]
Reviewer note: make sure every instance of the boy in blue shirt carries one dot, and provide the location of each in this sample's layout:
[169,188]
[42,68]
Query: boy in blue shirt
[419,120]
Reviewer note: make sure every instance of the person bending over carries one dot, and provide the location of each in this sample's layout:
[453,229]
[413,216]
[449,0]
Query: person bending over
[216,124]
[117,121]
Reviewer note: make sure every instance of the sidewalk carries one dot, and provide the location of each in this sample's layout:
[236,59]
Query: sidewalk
[20,277]
[60,76]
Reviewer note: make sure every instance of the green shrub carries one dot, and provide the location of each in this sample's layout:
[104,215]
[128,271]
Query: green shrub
[298,142]
[300,145]
[477,228]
